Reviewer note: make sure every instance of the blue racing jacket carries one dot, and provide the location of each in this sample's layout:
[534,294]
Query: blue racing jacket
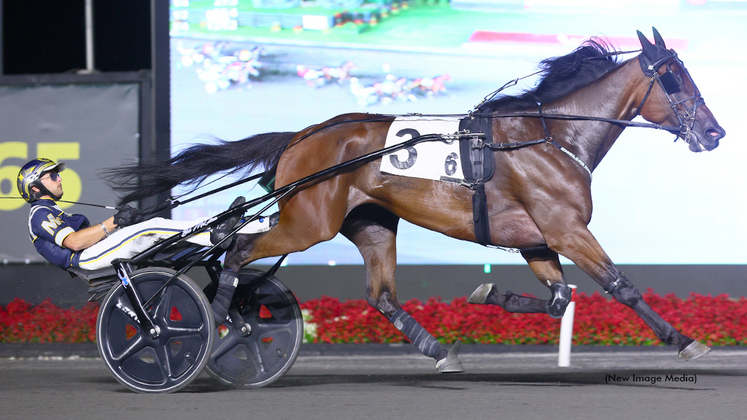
[49,226]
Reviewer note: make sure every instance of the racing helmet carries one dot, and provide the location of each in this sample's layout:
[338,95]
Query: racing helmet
[30,176]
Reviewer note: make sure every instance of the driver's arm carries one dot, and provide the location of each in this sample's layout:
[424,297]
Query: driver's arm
[87,237]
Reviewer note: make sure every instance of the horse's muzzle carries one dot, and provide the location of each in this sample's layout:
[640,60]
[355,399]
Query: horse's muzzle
[708,139]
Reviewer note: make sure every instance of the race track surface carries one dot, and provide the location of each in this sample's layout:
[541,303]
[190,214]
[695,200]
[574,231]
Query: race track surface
[630,384]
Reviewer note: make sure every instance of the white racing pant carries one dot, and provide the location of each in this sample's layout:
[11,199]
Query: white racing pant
[132,240]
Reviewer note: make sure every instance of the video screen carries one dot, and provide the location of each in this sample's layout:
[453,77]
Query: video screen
[241,67]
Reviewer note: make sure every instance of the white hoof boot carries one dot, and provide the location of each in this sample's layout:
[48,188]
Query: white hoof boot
[480,294]
[694,350]
[451,363]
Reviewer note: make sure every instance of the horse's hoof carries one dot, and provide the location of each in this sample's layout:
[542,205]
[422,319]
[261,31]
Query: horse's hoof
[480,295]
[451,363]
[561,297]
[694,350]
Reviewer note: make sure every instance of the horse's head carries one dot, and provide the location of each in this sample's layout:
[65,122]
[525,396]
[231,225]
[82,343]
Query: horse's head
[674,99]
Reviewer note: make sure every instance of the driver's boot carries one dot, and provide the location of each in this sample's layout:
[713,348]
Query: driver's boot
[222,301]
[223,229]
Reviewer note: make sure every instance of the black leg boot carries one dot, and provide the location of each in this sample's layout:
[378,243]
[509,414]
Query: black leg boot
[223,295]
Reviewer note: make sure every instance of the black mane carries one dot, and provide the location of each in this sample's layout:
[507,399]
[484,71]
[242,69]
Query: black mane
[561,76]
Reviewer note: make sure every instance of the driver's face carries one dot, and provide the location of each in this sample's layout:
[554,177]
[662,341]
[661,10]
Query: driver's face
[53,182]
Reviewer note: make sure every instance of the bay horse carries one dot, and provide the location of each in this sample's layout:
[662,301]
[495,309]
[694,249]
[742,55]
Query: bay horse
[538,201]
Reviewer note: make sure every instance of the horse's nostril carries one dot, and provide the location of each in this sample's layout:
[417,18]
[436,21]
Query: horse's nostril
[715,133]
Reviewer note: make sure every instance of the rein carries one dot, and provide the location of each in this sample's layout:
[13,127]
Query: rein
[170,204]
[66,201]
[570,117]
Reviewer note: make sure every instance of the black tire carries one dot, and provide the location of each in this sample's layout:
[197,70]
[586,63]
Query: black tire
[181,351]
[271,348]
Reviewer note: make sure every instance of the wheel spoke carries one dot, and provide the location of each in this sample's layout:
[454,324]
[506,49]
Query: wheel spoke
[176,332]
[162,307]
[137,345]
[163,360]
[225,345]
[257,350]
[268,327]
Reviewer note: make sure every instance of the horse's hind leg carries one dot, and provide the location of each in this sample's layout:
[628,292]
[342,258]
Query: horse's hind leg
[373,230]
[486,294]
[546,266]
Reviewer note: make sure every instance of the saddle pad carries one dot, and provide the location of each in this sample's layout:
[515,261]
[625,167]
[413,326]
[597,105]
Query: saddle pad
[436,160]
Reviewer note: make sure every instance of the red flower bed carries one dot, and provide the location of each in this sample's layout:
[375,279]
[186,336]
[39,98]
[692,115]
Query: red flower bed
[21,322]
[598,320]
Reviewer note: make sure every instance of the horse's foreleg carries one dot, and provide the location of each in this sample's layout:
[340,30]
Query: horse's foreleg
[588,255]
[624,292]
[373,230]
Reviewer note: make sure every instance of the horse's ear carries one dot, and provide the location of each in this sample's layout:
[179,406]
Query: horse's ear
[648,48]
[658,39]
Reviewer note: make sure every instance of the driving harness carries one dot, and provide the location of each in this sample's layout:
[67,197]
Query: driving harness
[478,165]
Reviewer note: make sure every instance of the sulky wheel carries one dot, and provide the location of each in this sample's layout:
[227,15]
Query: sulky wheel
[268,345]
[173,359]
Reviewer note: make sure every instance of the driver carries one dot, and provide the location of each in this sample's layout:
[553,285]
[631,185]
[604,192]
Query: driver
[70,240]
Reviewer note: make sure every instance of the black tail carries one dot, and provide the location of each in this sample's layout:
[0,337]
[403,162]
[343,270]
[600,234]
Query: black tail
[191,166]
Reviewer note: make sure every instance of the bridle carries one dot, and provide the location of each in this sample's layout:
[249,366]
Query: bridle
[672,85]
[669,82]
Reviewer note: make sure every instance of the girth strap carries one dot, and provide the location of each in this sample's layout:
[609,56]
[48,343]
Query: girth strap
[478,163]
[480,215]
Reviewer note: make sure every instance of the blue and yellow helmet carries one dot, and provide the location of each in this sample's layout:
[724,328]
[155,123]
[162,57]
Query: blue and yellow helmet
[30,175]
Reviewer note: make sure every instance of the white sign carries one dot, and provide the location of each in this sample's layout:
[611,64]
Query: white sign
[436,160]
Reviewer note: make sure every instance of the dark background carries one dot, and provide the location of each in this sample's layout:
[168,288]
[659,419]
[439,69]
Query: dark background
[48,36]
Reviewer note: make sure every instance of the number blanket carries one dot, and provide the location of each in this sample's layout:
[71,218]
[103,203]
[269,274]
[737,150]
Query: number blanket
[436,160]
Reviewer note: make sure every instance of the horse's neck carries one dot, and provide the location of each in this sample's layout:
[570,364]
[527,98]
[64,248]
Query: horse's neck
[613,96]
